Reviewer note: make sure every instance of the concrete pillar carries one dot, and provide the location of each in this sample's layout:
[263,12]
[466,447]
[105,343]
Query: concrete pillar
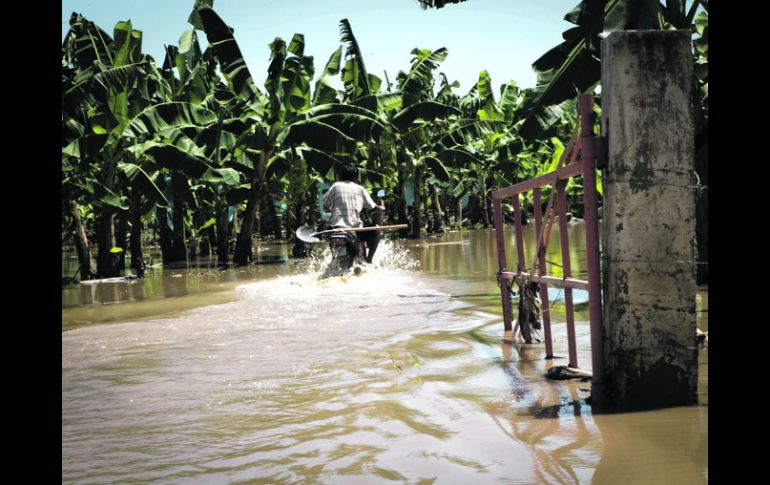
[649,220]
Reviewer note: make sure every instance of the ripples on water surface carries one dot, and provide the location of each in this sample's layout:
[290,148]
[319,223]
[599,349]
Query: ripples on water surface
[395,375]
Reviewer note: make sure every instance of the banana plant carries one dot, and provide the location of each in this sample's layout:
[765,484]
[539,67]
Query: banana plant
[573,66]
[77,189]
[200,197]
[283,119]
[106,82]
[418,126]
[192,136]
[145,150]
[358,82]
[469,148]
[420,119]
[475,146]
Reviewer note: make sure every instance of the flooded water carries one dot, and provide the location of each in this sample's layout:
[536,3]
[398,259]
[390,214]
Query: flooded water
[267,375]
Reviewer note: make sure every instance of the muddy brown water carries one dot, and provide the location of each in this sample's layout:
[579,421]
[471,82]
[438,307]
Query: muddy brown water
[266,375]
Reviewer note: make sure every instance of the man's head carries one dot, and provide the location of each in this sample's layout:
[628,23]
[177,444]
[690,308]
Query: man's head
[349,173]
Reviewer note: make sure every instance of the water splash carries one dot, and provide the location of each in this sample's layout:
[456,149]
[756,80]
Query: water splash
[387,283]
[388,256]
[392,256]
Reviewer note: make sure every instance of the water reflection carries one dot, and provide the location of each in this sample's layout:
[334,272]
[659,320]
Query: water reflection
[165,290]
[179,279]
[471,255]
[473,252]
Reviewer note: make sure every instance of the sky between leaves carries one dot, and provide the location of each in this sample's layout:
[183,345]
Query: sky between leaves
[502,36]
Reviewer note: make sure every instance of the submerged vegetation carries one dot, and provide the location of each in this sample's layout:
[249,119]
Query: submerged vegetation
[193,151]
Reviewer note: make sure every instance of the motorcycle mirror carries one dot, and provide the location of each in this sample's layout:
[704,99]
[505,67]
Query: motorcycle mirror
[307,234]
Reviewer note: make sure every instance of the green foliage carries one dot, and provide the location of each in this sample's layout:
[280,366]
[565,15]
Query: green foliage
[573,66]
[231,61]
[418,84]
[354,75]
[198,134]
[324,89]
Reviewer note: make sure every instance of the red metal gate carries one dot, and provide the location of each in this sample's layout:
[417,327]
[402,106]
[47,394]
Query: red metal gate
[580,153]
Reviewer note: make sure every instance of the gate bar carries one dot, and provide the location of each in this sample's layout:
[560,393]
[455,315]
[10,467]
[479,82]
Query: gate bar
[584,144]
[519,233]
[504,291]
[561,174]
[561,199]
[554,280]
[522,263]
[546,314]
[590,216]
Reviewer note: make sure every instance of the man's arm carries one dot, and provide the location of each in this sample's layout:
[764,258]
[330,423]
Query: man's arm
[327,199]
[369,203]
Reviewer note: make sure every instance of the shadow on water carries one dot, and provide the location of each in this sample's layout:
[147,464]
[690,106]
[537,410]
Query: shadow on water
[399,374]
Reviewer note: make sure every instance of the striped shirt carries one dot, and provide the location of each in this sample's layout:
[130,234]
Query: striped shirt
[345,200]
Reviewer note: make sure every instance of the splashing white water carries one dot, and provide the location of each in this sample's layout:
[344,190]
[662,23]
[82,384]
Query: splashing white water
[388,256]
[390,280]
[391,256]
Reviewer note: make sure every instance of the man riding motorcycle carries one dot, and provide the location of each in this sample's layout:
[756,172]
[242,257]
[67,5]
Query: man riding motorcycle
[345,201]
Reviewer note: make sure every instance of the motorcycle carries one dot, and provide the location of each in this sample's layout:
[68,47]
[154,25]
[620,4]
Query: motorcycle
[347,249]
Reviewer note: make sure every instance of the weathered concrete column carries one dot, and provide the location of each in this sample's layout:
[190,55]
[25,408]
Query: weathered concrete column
[649,220]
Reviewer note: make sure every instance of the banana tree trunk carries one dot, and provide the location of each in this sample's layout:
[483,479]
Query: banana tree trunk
[208,241]
[475,209]
[276,219]
[402,215]
[258,220]
[178,249]
[81,244]
[286,224]
[137,250]
[106,261]
[484,205]
[243,248]
[417,207]
[178,234]
[265,221]
[203,239]
[446,202]
[438,215]
[164,235]
[223,234]
[490,211]
[121,241]
[236,226]
[299,249]
[459,211]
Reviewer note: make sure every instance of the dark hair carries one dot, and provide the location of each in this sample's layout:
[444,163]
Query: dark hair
[349,172]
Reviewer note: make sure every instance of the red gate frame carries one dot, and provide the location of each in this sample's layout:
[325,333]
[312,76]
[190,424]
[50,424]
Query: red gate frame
[584,145]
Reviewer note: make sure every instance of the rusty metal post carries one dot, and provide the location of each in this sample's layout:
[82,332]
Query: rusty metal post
[500,239]
[522,263]
[519,233]
[543,270]
[590,216]
[564,238]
